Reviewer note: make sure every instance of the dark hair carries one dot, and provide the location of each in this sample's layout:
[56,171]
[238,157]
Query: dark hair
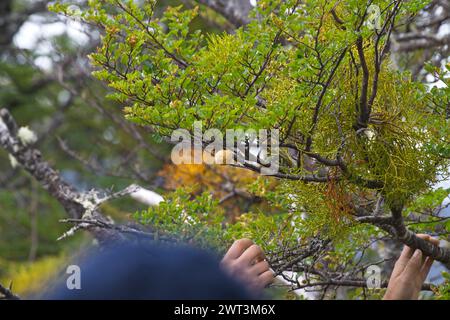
[151,272]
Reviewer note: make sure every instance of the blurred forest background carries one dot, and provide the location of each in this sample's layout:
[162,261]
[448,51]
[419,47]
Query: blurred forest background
[46,83]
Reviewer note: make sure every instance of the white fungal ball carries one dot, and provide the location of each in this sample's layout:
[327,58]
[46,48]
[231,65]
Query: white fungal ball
[26,136]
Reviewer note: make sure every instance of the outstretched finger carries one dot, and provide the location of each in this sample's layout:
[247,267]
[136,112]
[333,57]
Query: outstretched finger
[260,268]
[426,268]
[237,249]
[428,238]
[252,254]
[266,278]
[434,241]
[414,265]
[405,257]
[428,261]
[402,261]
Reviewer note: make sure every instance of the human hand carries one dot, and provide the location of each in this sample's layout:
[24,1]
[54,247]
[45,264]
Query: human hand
[409,273]
[246,262]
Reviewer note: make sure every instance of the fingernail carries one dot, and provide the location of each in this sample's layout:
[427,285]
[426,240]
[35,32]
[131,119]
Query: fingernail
[418,253]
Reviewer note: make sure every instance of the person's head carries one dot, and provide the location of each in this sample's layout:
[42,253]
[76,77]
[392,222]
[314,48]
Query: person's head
[133,271]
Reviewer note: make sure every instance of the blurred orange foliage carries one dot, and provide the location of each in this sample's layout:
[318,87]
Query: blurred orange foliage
[225,183]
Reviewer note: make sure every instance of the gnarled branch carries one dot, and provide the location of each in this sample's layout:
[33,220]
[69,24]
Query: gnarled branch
[78,205]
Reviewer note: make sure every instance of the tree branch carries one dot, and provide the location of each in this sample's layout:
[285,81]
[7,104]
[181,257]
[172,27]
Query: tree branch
[396,228]
[7,294]
[78,205]
[357,283]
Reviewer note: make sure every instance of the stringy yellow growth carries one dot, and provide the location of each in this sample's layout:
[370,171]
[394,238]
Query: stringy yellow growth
[296,68]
